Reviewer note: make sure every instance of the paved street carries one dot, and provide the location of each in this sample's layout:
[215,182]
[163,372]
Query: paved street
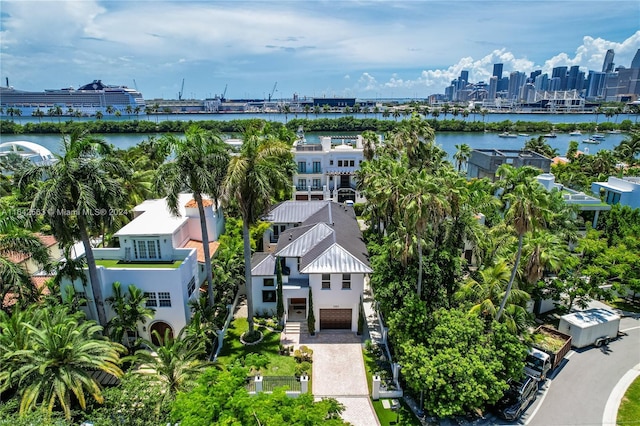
[577,395]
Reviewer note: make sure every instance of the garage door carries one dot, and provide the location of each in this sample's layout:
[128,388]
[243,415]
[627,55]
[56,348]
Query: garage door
[335,319]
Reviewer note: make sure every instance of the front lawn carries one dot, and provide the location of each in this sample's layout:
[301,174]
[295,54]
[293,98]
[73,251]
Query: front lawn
[269,347]
[629,411]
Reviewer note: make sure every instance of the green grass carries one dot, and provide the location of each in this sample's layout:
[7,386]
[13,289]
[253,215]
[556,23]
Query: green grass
[233,349]
[114,263]
[629,411]
[387,416]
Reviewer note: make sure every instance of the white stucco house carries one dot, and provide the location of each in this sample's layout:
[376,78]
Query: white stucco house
[320,247]
[162,255]
[624,191]
[326,170]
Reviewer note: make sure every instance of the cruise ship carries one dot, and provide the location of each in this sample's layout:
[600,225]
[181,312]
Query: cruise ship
[87,100]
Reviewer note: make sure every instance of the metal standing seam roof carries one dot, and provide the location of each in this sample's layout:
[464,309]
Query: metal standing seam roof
[304,241]
[263,264]
[328,241]
[294,211]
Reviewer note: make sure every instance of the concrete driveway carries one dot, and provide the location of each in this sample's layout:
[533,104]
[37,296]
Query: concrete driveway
[338,372]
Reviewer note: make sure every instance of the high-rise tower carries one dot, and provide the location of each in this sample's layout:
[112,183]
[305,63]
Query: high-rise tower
[635,63]
[607,66]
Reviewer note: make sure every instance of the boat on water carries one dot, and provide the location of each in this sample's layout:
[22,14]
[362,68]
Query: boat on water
[591,141]
[87,100]
[597,136]
[614,132]
[551,135]
[526,135]
[507,135]
[575,133]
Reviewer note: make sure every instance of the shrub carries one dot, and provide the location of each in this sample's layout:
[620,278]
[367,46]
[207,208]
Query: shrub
[304,354]
[303,369]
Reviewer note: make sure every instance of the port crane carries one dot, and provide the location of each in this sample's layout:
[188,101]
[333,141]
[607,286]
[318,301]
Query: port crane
[181,91]
[273,90]
[225,92]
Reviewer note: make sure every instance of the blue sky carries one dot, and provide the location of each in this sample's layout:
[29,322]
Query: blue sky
[366,49]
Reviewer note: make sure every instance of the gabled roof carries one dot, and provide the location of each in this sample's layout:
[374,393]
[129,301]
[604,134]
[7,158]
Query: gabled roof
[336,259]
[263,264]
[328,241]
[294,211]
[306,237]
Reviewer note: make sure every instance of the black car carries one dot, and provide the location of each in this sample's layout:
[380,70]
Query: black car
[516,400]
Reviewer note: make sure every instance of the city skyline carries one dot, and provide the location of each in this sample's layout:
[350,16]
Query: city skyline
[409,49]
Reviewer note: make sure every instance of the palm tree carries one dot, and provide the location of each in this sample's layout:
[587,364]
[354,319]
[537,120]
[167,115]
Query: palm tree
[19,244]
[174,363]
[526,203]
[425,206]
[263,168]
[56,361]
[199,163]
[38,113]
[130,310]
[370,141]
[462,155]
[80,183]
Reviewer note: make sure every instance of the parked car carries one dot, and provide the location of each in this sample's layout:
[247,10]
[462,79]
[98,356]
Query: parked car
[516,400]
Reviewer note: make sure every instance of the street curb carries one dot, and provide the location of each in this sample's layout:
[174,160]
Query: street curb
[610,414]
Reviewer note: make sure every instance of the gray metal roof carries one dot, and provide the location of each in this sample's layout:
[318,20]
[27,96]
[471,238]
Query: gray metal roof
[263,264]
[328,241]
[336,260]
[305,240]
[294,211]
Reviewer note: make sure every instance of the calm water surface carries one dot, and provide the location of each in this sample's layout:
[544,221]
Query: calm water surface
[447,140]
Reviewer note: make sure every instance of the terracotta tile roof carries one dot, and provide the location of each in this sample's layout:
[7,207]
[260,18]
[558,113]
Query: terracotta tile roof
[47,241]
[205,202]
[38,281]
[213,246]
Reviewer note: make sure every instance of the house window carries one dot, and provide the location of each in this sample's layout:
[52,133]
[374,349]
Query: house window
[164,297]
[346,281]
[352,163]
[612,197]
[302,167]
[302,184]
[316,184]
[339,163]
[268,296]
[268,282]
[191,287]
[331,162]
[146,249]
[326,281]
[152,302]
[317,167]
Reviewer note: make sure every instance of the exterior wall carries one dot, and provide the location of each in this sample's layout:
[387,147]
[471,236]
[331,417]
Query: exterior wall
[336,297]
[215,222]
[484,163]
[628,191]
[324,182]
[173,281]
[260,307]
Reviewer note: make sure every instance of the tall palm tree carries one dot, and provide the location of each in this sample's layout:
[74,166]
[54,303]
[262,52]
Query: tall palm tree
[462,155]
[425,207]
[370,141]
[57,361]
[254,178]
[198,164]
[526,209]
[78,185]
